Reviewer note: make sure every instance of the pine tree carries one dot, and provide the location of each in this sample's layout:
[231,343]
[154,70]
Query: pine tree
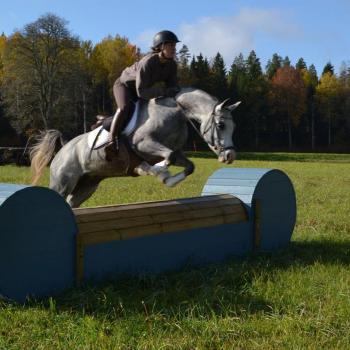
[218,77]
[199,69]
[183,56]
[236,77]
[255,94]
[300,64]
[273,65]
[313,73]
[286,62]
[328,68]
[253,66]
[184,73]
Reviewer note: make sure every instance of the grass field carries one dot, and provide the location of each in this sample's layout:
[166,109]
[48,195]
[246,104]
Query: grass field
[298,298]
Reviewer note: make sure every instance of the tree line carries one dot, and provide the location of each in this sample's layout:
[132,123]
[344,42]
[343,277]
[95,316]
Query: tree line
[50,78]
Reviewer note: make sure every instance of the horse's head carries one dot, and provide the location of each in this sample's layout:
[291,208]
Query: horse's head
[218,131]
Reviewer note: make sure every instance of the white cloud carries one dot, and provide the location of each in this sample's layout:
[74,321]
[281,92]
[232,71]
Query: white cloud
[144,40]
[234,34]
[231,35]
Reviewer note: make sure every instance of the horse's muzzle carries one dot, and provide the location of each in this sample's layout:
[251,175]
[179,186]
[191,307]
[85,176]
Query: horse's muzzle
[227,156]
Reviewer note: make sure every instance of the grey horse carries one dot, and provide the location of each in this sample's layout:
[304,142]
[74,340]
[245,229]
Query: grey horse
[156,143]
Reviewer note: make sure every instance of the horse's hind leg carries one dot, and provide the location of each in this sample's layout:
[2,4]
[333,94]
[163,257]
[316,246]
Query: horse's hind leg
[159,170]
[84,189]
[63,184]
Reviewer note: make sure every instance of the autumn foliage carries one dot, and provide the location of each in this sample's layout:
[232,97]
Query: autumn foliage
[49,78]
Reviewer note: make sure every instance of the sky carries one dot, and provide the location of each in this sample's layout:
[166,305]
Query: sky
[316,30]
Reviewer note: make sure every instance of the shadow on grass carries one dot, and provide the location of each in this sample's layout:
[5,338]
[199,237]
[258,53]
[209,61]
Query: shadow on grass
[225,289]
[221,289]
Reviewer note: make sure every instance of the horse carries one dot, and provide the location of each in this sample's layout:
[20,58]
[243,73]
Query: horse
[155,144]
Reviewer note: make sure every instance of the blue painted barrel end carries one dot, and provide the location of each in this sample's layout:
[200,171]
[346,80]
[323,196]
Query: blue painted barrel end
[272,188]
[37,242]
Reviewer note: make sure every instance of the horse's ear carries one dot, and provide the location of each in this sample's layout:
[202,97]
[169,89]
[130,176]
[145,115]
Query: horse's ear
[222,105]
[234,106]
[226,104]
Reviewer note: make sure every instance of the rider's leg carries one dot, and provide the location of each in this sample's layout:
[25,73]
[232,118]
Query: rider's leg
[123,98]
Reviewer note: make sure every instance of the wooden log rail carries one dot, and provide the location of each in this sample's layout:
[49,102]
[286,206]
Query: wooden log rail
[105,224]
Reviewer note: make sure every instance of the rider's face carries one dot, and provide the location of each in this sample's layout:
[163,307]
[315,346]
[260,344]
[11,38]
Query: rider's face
[169,50]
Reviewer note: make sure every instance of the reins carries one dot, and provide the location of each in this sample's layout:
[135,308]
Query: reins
[210,125]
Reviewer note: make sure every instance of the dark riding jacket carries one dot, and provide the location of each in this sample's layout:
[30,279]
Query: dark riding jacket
[142,76]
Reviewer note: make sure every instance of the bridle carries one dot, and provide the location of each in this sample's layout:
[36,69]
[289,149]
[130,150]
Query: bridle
[213,125]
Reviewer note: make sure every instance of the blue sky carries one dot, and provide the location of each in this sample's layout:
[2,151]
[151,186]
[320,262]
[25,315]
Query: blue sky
[318,31]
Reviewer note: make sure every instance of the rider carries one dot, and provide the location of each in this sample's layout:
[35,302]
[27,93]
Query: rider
[137,81]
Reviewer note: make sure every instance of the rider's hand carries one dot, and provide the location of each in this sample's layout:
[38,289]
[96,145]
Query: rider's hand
[172,91]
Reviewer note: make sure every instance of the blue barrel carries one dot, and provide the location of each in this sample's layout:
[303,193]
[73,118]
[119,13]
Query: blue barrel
[38,234]
[37,242]
[270,190]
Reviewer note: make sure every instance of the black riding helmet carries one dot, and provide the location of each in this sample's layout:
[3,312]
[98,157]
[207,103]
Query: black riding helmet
[165,36]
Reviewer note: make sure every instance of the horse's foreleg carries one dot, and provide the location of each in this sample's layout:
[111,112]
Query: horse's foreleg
[179,159]
[151,146]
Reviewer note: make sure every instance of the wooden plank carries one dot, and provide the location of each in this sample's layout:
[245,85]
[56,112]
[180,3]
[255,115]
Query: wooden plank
[114,224]
[135,212]
[235,209]
[126,210]
[151,204]
[181,214]
[114,235]
[190,214]
[127,207]
[236,218]
[191,224]
[104,236]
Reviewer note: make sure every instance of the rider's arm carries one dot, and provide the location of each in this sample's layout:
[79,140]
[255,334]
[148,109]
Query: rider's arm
[144,81]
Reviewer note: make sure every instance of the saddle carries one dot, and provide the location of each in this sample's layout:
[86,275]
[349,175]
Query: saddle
[98,137]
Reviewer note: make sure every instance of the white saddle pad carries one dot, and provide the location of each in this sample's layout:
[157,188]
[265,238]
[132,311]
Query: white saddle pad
[102,134]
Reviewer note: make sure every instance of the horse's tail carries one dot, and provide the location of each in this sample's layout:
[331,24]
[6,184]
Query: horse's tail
[41,153]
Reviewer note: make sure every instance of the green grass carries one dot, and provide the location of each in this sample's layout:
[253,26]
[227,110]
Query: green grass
[298,298]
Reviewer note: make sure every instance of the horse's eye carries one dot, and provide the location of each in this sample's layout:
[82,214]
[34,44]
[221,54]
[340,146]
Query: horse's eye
[221,125]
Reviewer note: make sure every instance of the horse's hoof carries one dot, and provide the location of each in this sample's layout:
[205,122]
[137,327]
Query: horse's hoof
[174,180]
[163,176]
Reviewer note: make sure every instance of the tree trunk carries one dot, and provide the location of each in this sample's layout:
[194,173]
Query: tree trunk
[84,111]
[103,98]
[256,127]
[312,126]
[329,129]
[289,134]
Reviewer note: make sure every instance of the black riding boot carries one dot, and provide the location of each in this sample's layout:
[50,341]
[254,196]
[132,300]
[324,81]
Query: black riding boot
[116,129]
